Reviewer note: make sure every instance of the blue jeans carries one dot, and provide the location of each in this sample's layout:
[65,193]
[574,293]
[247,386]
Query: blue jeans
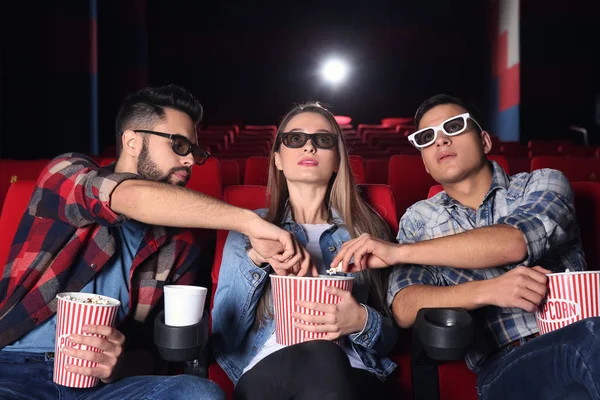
[29,376]
[563,364]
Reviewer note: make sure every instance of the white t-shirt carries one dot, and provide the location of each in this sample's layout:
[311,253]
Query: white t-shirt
[313,234]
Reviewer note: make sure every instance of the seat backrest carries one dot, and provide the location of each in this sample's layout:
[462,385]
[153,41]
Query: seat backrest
[409,181]
[358,169]
[362,127]
[576,169]
[104,161]
[257,171]
[230,173]
[393,121]
[343,119]
[501,160]
[206,178]
[15,204]
[587,208]
[513,149]
[270,128]
[15,170]
[377,171]
[435,189]
[381,198]
[224,128]
[518,164]
[251,197]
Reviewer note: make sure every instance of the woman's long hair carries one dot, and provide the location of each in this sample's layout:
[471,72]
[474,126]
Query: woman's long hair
[342,196]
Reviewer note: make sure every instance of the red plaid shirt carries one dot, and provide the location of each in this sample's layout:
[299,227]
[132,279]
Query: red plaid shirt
[67,236]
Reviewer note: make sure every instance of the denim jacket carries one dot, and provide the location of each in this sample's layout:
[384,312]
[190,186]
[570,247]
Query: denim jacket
[236,340]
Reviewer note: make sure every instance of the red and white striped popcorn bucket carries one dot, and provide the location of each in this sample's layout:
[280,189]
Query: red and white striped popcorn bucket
[71,315]
[571,297]
[289,289]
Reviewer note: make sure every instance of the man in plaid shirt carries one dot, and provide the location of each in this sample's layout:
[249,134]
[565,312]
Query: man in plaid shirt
[111,231]
[479,245]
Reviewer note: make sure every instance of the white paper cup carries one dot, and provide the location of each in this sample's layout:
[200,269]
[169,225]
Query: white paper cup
[289,289]
[571,297]
[184,304]
[71,316]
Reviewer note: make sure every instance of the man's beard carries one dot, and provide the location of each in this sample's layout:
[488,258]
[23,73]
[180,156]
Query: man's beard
[148,169]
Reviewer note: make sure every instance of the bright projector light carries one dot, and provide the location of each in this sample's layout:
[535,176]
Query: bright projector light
[334,71]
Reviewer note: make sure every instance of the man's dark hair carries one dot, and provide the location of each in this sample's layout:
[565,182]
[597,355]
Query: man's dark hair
[440,99]
[146,108]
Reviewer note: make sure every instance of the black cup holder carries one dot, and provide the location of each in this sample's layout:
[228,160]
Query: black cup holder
[180,343]
[444,333]
[439,334]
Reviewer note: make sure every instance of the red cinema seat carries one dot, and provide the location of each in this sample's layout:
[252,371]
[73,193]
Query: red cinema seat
[549,147]
[381,198]
[360,128]
[14,170]
[358,169]
[269,128]
[343,119]
[501,160]
[206,178]
[409,181]
[576,169]
[377,171]
[518,164]
[513,149]
[251,197]
[435,189]
[257,171]
[224,128]
[230,173]
[104,161]
[587,209]
[397,121]
[15,204]
[246,196]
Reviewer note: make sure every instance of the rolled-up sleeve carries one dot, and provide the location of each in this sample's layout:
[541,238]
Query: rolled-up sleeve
[546,217]
[75,190]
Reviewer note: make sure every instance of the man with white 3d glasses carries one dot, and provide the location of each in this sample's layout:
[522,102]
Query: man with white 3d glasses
[480,245]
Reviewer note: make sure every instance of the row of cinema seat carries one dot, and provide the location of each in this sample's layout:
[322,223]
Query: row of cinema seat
[404,173]
[455,380]
[371,141]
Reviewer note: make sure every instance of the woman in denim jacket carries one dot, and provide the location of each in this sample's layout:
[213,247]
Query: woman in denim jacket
[313,195]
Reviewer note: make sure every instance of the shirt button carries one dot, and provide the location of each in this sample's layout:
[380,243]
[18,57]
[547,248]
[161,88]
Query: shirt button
[93,266]
[255,276]
[331,248]
[35,320]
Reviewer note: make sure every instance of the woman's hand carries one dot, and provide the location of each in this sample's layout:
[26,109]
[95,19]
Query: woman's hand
[303,267]
[341,319]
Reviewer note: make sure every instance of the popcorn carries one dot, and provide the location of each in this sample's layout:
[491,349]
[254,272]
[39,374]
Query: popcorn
[335,270]
[89,300]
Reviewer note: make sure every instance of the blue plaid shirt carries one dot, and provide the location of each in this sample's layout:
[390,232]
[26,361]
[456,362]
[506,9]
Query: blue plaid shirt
[539,204]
